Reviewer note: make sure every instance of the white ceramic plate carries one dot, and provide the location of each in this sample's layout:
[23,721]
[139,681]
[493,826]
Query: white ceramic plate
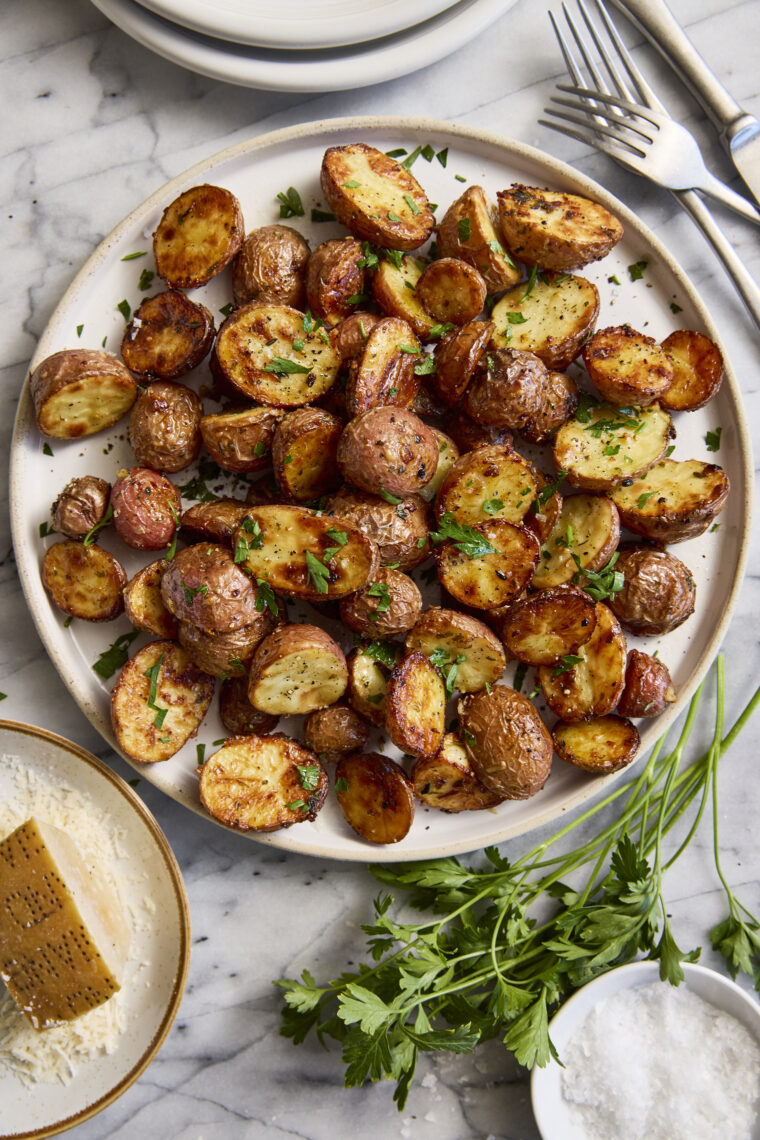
[337,69]
[256,171]
[297,24]
[160,947]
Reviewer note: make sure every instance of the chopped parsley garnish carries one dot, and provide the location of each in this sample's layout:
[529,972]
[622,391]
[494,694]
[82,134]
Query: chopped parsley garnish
[200,752]
[565,664]
[282,366]
[443,156]
[463,229]
[460,177]
[519,678]
[613,280]
[393,217]
[260,449]
[124,309]
[428,152]
[586,405]
[441,658]
[397,152]
[670,451]
[600,584]
[80,330]
[395,256]
[379,590]
[318,573]
[356,299]
[192,591]
[516,318]
[532,278]
[341,784]
[251,526]
[152,674]
[370,259]
[409,162]
[385,652]
[567,539]
[134,256]
[625,419]
[308,774]
[196,488]
[712,439]
[411,204]
[674,308]
[299,344]
[389,498]
[352,184]
[339,537]
[310,323]
[291,205]
[493,506]
[644,499]
[636,271]
[115,656]
[171,549]
[440,330]
[227,309]
[265,598]
[611,449]
[46,529]
[321,215]
[146,280]
[547,492]
[425,367]
[89,538]
[470,541]
[297,805]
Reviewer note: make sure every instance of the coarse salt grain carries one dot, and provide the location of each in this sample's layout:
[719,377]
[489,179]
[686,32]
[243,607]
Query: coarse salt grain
[656,1062]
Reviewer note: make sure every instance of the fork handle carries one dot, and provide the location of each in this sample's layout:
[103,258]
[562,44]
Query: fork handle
[732,263]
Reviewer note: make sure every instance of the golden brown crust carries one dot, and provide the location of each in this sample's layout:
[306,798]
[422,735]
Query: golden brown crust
[81,505]
[212,522]
[241,440]
[224,654]
[84,581]
[457,356]
[487,483]
[448,453]
[648,686]
[271,261]
[550,315]
[333,731]
[560,402]
[368,681]
[542,629]
[507,743]
[388,450]
[198,235]
[146,507]
[349,337]
[628,368]
[236,712]
[80,391]
[676,500]
[400,530]
[601,745]
[447,782]
[384,373]
[334,275]
[497,578]
[395,291]
[296,669]
[460,641]
[658,591]
[164,426]
[542,515]
[378,802]
[415,706]
[467,231]
[144,605]
[304,454]
[508,389]
[388,605]
[451,290]
[697,370]
[598,457]
[587,528]
[555,230]
[167,336]
[591,686]
[205,587]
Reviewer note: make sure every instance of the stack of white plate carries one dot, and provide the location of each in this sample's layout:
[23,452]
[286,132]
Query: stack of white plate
[303,45]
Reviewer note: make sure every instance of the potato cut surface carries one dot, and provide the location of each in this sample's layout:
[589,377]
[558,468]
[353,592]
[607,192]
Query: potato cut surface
[457,356]
[296,669]
[415,706]
[587,528]
[488,483]
[199,233]
[676,500]
[467,231]
[697,370]
[450,289]
[457,641]
[385,372]
[589,682]
[447,782]
[378,802]
[167,336]
[84,581]
[143,603]
[544,628]
[395,290]
[498,576]
[609,446]
[558,313]
[555,230]
[627,367]
[304,453]
[599,746]
[79,392]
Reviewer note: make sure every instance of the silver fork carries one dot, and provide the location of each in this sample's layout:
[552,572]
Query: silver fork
[599,102]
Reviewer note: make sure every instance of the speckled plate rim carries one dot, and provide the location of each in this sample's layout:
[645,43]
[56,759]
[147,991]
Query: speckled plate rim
[25,427]
[183,913]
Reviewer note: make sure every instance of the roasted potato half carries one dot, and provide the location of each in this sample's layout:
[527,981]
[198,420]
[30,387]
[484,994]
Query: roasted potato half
[369,668]
[610,445]
[296,669]
[394,287]
[146,507]
[658,592]
[457,356]
[375,796]
[81,505]
[697,370]
[545,508]
[400,530]
[271,263]
[648,686]
[304,454]
[164,430]
[555,230]
[236,712]
[674,501]
[467,231]
[335,279]
[588,528]
[599,746]
[80,391]
[447,782]
[388,451]
[560,403]
[350,336]
[544,628]
[448,453]
[588,683]
[468,435]
[628,368]
[144,605]
[385,370]
[496,574]
[507,743]
[550,315]
[84,581]
[167,336]
[334,731]
[508,389]
[224,654]
[204,586]
[468,654]
[263,783]
[488,483]
[375,197]
[390,604]
[241,440]
[215,521]
[198,235]
[415,706]
[451,290]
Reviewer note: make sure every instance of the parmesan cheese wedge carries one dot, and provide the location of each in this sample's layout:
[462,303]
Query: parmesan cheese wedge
[63,938]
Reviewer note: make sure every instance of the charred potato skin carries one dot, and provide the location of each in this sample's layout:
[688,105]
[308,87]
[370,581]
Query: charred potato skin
[333,275]
[304,453]
[648,686]
[95,382]
[144,605]
[334,731]
[212,522]
[507,390]
[561,399]
[447,782]
[560,619]
[450,289]
[480,247]
[164,430]
[697,370]
[271,262]
[223,654]
[658,592]
[555,230]
[85,582]
[388,449]
[598,746]
[378,802]
[628,368]
[208,208]
[508,745]
[415,706]
[237,714]
[81,505]
[399,530]
[392,589]
[146,507]
[457,356]
[592,687]
[204,586]
[384,372]
[168,336]
[241,440]
[670,514]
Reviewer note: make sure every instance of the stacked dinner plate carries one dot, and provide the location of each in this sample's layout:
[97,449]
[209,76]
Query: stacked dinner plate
[303,45]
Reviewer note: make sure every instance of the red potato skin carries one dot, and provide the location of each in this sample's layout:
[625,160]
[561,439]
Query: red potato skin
[146,508]
[164,426]
[388,449]
[205,587]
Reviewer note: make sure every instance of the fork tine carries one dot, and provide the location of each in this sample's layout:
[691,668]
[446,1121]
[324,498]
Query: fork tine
[609,100]
[575,72]
[588,138]
[599,128]
[612,71]
[645,92]
[610,117]
[587,59]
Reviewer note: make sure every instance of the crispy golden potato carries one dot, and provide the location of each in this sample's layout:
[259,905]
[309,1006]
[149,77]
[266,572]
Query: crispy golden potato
[457,356]
[80,391]
[146,508]
[388,451]
[658,591]
[447,782]
[378,802]
[490,482]
[674,501]
[544,628]
[588,528]
[551,315]
[467,652]
[335,279]
[296,669]
[610,446]
[415,706]
[559,405]
[507,743]
[495,578]
[448,453]
[255,355]
[204,586]
[158,702]
[81,505]
[508,389]
[599,746]
[214,522]
[369,668]
[545,509]
[84,581]
[263,783]
[468,435]
[588,683]
[144,605]
[555,230]
[648,686]
[167,336]
[628,368]
[400,530]
[349,337]
[385,370]
[238,714]
[304,454]
[467,231]
[387,605]
[451,290]
[224,654]
[375,197]
[198,235]
[394,288]
[164,430]
[697,370]
[289,546]
[333,731]
[271,262]
[241,440]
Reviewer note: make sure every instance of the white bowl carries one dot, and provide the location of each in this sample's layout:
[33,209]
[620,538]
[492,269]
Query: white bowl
[549,1107]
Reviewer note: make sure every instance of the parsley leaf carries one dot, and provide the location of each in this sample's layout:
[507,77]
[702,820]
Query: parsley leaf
[712,439]
[115,656]
[636,271]
[318,573]
[466,538]
[291,205]
[282,366]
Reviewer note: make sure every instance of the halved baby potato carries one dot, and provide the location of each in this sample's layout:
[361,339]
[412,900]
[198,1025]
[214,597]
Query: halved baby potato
[447,782]
[375,796]
[198,235]
[674,501]
[507,743]
[236,712]
[451,290]
[86,582]
[214,522]
[167,336]
[395,289]
[542,629]
[385,370]
[80,391]
[601,745]
[488,483]
[415,706]
[495,577]
[697,370]
[648,686]
[628,368]
[143,603]
[335,279]
[457,356]
[588,527]
[467,231]
[609,445]
[369,668]
[304,454]
[333,731]
[560,402]
[456,640]
[508,389]
[588,683]
[448,453]
[555,230]
[389,604]
[241,440]
[296,669]
[550,315]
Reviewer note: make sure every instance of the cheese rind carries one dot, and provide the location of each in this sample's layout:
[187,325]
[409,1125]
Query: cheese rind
[63,939]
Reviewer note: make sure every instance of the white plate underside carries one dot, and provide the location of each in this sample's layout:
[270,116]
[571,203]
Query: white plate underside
[256,172]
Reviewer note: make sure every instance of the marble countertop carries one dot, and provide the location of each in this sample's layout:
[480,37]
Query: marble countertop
[93,123]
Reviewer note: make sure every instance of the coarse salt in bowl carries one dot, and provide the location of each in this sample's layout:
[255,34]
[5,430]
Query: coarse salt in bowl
[667,1092]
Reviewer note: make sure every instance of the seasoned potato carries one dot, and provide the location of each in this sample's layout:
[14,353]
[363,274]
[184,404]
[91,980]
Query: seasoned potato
[507,390]
[144,605]
[304,453]
[468,435]
[559,404]
[507,743]
[146,508]
[674,501]
[415,706]
[599,746]
[447,782]
[496,577]
[205,587]
[628,368]
[255,355]
[457,356]
[697,370]
[167,336]
[241,440]
[611,445]
[551,315]
[375,197]
[544,628]
[467,231]
[80,391]
[389,604]
[588,683]
[388,450]
[426,403]
[394,287]
[467,652]
[263,783]
[385,370]
[289,546]
[451,290]
[375,796]
[400,530]
[199,233]
[490,482]
[588,528]
[271,262]
[224,654]
[350,336]
[81,505]
[296,669]
[369,668]
[658,592]
[333,731]
[158,702]
[238,714]
[648,686]
[545,508]
[84,581]
[555,230]
[335,279]
[448,453]
[164,426]
[215,522]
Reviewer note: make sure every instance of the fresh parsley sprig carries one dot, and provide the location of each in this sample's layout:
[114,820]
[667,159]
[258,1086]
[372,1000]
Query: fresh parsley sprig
[466,538]
[599,584]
